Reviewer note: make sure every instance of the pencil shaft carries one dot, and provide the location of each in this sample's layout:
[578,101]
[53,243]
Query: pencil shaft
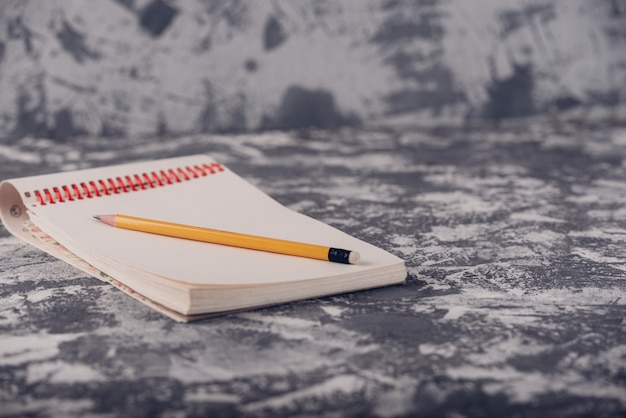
[215,236]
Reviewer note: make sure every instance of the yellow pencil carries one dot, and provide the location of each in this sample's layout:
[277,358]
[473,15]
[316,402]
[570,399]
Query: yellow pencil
[233,239]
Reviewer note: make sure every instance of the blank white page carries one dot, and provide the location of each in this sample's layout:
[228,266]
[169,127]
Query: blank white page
[221,201]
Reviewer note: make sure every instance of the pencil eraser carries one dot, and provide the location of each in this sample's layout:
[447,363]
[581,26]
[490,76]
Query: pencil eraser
[338,255]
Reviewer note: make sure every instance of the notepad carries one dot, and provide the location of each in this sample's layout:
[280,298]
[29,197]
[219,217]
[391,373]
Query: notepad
[181,278]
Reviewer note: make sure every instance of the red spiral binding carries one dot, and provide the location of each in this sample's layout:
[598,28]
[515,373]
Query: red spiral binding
[130,183]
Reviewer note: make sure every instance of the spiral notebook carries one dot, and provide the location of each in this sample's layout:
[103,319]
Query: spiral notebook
[181,278]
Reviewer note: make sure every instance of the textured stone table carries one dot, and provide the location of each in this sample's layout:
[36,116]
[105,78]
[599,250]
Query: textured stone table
[515,242]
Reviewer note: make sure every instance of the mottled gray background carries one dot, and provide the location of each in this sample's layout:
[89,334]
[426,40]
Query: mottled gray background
[145,67]
[483,141]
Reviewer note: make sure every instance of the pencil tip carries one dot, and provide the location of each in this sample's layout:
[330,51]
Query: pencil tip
[106,219]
